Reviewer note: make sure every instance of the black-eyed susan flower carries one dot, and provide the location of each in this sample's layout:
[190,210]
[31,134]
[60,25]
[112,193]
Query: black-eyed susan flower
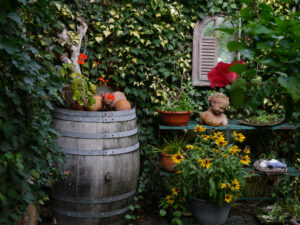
[235,185]
[224,185]
[206,163]
[234,149]
[175,190]
[170,199]
[218,135]
[247,150]
[221,142]
[239,136]
[199,129]
[251,173]
[205,137]
[245,160]
[228,198]
[190,147]
[178,157]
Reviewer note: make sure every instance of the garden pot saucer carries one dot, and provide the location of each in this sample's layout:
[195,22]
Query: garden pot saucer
[248,123]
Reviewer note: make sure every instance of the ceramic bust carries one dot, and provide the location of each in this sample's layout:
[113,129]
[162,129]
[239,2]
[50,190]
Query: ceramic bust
[215,116]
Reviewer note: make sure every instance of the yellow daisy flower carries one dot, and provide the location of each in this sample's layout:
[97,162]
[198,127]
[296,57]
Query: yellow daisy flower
[235,185]
[221,142]
[190,147]
[228,198]
[247,150]
[170,199]
[175,190]
[218,134]
[199,129]
[178,157]
[239,137]
[206,163]
[205,137]
[245,160]
[223,185]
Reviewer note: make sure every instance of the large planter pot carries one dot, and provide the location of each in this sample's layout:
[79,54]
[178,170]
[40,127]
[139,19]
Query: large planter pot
[167,162]
[102,166]
[206,213]
[175,118]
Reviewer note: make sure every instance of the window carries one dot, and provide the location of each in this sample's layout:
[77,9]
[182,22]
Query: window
[209,47]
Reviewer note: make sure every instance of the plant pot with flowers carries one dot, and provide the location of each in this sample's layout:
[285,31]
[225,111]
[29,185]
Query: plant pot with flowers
[169,150]
[210,176]
[176,106]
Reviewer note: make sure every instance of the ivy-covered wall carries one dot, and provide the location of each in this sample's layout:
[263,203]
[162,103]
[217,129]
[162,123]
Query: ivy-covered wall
[134,43]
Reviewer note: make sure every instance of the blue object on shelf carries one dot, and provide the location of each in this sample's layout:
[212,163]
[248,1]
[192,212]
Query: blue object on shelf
[274,163]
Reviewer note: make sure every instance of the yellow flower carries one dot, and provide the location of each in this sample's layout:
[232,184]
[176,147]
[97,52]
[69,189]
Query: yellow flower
[206,163]
[179,171]
[228,198]
[235,185]
[191,147]
[199,129]
[175,190]
[217,135]
[245,160]
[170,199]
[204,136]
[234,149]
[178,157]
[251,173]
[221,142]
[239,137]
[247,150]
[225,185]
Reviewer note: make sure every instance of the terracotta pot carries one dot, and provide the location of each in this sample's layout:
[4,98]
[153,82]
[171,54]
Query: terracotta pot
[122,105]
[97,106]
[167,162]
[175,118]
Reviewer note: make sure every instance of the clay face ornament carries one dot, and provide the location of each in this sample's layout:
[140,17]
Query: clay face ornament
[214,116]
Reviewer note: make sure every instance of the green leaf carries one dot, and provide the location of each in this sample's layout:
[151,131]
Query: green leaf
[248,53]
[226,30]
[128,217]
[260,29]
[15,17]
[162,212]
[292,85]
[234,46]
[238,68]
[237,93]
[250,74]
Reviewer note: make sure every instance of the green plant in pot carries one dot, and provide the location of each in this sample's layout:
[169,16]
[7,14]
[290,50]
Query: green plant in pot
[176,105]
[210,175]
[168,149]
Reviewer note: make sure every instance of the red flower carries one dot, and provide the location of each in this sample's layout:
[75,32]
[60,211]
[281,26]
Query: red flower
[82,56]
[220,75]
[102,80]
[97,63]
[110,97]
[80,62]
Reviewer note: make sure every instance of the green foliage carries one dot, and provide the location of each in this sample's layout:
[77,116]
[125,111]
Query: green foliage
[29,83]
[270,44]
[173,144]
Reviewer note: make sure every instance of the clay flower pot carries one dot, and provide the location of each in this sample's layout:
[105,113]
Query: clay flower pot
[97,106]
[167,162]
[175,118]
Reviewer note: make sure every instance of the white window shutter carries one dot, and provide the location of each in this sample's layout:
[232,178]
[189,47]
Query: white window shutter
[204,52]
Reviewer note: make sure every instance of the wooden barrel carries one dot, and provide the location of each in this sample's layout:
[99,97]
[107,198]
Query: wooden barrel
[102,166]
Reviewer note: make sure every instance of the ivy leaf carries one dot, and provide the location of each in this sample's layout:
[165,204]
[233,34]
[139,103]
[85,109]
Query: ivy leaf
[234,45]
[162,212]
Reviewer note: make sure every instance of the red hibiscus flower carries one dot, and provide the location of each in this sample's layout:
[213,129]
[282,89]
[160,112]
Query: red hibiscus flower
[220,75]
[102,80]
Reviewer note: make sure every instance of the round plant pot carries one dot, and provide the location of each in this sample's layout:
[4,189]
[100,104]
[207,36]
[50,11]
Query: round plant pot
[206,213]
[175,118]
[167,162]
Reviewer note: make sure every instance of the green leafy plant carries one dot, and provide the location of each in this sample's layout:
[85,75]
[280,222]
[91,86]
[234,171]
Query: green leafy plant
[210,168]
[172,145]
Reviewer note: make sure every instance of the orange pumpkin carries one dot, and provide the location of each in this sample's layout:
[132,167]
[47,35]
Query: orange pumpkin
[122,105]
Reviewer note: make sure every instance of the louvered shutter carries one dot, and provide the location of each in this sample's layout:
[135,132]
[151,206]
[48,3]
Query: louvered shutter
[204,53]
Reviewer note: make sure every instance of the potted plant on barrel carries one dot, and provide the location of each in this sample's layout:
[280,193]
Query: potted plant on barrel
[210,176]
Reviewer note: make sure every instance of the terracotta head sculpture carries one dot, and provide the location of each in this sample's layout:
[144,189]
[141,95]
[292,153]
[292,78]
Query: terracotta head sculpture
[215,116]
